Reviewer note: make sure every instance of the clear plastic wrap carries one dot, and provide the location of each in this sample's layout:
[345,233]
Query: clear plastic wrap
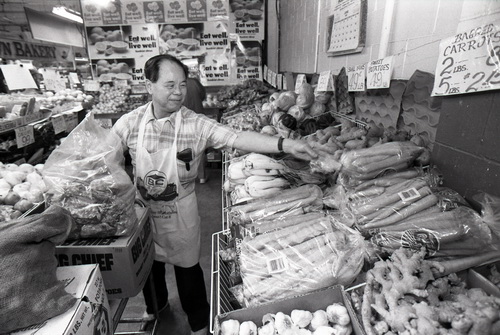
[458,232]
[384,204]
[86,175]
[291,201]
[490,211]
[368,163]
[299,259]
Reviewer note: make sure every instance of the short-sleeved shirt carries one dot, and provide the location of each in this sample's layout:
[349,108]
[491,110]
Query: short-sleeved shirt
[197,132]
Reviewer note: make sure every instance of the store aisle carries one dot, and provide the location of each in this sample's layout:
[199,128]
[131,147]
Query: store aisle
[209,203]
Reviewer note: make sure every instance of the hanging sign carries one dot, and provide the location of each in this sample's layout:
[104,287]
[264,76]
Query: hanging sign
[301,79]
[24,136]
[325,82]
[356,76]
[59,124]
[17,77]
[469,61]
[378,73]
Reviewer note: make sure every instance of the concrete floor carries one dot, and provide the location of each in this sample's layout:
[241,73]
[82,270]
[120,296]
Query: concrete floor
[174,321]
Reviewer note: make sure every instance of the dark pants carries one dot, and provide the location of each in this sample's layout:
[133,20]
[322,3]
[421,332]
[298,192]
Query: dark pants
[192,293]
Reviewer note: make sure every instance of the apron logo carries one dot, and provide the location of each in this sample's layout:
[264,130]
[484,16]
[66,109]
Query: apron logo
[156,187]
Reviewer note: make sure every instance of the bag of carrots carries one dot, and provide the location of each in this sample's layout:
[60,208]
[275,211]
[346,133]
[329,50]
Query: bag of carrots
[458,232]
[298,259]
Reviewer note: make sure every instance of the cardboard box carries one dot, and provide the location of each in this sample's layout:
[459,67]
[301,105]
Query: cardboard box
[90,315]
[125,262]
[310,302]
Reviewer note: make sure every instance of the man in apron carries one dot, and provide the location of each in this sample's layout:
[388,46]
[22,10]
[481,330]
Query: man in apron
[165,141]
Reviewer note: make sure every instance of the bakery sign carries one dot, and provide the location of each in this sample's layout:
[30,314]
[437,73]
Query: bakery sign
[24,50]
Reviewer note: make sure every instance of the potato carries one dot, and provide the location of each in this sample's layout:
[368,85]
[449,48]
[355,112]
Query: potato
[11,198]
[23,205]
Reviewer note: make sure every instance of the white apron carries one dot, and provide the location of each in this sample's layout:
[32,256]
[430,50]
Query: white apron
[174,210]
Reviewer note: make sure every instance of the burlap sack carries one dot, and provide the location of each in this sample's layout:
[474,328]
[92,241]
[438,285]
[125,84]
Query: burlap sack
[29,290]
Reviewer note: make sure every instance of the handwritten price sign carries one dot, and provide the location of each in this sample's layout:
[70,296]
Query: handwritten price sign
[469,62]
[378,74]
[59,124]
[356,76]
[24,136]
[325,82]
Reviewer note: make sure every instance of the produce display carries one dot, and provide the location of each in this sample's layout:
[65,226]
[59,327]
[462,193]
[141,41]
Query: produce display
[65,99]
[410,295]
[21,187]
[111,99]
[334,319]
[298,259]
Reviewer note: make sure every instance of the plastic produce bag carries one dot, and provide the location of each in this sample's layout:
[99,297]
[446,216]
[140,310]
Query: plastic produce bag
[386,204]
[299,259]
[86,175]
[490,211]
[293,201]
[29,290]
[458,232]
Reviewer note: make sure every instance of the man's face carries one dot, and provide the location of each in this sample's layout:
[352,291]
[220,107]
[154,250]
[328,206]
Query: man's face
[169,91]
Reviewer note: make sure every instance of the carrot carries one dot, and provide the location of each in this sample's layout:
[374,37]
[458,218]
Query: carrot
[389,148]
[389,180]
[263,226]
[351,135]
[394,208]
[385,163]
[367,193]
[431,220]
[361,161]
[463,263]
[285,196]
[390,196]
[377,173]
[420,205]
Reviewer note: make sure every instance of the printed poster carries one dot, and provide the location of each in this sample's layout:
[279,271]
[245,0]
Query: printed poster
[196,10]
[91,13]
[112,13]
[469,61]
[182,40]
[218,10]
[133,12]
[175,11]
[154,11]
[246,61]
[247,19]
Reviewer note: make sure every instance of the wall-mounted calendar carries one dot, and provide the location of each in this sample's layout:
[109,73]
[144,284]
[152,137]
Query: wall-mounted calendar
[347,27]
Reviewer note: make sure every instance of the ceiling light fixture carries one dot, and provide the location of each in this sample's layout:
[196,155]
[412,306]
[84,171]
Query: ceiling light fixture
[68,14]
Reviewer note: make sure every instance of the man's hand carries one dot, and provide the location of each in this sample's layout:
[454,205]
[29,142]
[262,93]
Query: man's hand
[299,149]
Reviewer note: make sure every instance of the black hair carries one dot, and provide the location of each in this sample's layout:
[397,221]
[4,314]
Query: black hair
[152,66]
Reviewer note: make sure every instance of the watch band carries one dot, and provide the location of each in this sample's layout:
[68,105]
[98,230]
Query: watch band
[280,144]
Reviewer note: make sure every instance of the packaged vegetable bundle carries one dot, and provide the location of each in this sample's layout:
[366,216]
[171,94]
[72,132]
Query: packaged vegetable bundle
[458,232]
[86,175]
[387,203]
[299,259]
[368,163]
[293,201]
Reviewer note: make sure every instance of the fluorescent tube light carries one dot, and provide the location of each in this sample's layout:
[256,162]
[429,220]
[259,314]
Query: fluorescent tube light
[68,14]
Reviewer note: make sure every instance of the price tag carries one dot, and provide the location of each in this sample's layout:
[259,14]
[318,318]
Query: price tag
[274,79]
[301,78]
[91,85]
[73,78]
[71,122]
[24,136]
[356,76]
[120,83]
[264,74]
[285,85]
[409,194]
[277,265]
[325,82]
[469,61]
[59,124]
[378,73]
[60,84]
[279,81]
[138,89]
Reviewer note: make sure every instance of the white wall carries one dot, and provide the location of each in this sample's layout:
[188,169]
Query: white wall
[417,28]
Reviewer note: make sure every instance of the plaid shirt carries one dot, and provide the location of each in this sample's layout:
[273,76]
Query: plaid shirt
[197,132]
